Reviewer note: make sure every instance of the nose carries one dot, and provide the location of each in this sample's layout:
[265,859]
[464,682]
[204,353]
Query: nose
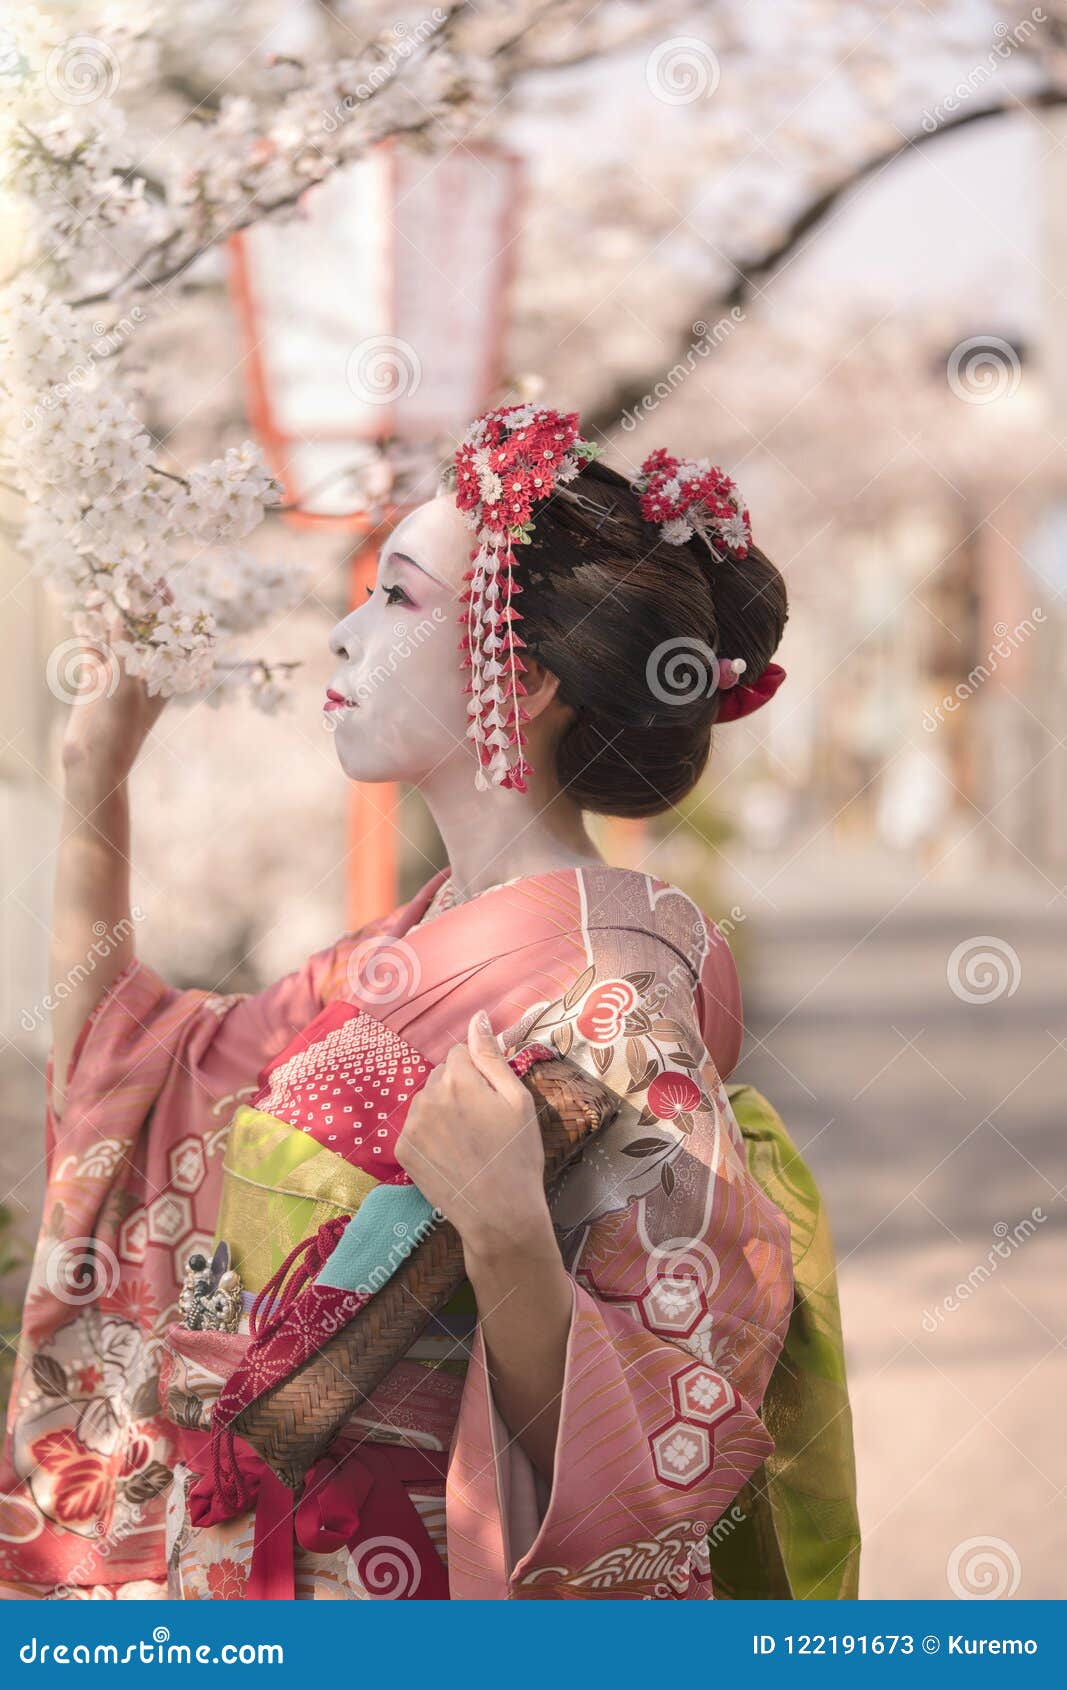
[343,641]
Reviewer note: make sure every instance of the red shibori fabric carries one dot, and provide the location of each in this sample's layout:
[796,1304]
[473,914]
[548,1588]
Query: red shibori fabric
[308,1312]
[347,1080]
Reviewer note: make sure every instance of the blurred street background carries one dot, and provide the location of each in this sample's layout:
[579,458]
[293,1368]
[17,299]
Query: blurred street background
[934,1122]
[823,242]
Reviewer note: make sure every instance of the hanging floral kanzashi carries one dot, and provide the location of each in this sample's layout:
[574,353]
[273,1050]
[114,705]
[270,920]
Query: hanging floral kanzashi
[509,462]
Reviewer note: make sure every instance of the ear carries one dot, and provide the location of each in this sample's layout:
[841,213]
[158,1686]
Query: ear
[541,686]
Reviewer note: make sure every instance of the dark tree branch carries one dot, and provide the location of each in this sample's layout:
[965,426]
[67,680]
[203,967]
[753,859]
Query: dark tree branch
[755,274]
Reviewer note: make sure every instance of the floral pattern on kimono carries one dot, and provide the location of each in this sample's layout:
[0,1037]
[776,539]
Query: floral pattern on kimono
[679,1264]
[682,1279]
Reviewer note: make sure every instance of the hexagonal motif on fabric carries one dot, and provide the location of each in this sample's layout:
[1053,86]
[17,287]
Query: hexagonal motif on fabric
[169,1219]
[703,1395]
[674,1305]
[133,1236]
[187,1165]
[681,1453]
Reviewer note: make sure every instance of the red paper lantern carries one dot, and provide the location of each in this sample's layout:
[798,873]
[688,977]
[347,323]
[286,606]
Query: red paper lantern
[376,316]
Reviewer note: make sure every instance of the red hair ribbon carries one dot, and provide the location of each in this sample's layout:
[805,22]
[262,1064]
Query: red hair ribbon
[742,698]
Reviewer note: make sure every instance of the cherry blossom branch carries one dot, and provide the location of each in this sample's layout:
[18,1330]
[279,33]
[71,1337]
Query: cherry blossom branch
[754,274]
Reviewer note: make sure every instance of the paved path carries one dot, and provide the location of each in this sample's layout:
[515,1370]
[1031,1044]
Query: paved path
[936,1128]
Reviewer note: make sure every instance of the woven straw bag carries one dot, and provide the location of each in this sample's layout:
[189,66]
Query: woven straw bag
[294,1424]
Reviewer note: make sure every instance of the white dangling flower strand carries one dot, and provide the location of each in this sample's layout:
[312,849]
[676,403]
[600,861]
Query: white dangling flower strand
[510,461]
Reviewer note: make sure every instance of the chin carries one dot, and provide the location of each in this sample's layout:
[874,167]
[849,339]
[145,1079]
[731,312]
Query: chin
[357,765]
[374,763]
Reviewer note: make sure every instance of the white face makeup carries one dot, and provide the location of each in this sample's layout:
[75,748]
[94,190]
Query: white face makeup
[398,655]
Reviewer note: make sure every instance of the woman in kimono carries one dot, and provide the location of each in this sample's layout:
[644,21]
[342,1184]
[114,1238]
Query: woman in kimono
[584,1415]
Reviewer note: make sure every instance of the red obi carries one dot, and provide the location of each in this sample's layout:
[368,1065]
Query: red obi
[353,1498]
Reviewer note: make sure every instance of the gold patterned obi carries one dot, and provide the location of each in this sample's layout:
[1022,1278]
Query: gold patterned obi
[278,1187]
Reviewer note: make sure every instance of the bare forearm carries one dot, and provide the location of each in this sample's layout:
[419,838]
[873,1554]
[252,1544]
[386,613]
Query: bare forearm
[525,1300]
[92,925]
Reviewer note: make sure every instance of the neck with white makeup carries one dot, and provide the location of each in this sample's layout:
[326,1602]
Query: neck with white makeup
[500,834]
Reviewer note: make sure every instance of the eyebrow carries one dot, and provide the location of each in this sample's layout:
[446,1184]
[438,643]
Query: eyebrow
[402,557]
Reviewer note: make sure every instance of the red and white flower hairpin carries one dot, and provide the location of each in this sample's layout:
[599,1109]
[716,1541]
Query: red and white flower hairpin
[687,497]
[690,496]
[509,462]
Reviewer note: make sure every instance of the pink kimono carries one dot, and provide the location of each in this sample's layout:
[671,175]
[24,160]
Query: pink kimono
[680,1265]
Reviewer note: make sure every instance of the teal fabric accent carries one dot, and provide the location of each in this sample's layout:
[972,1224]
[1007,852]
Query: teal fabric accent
[381,1235]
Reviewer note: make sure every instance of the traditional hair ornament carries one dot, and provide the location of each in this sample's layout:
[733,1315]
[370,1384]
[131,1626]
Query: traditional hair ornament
[510,461]
[689,496]
[740,698]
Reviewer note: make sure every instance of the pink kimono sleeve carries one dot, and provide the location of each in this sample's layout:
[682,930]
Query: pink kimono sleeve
[134,1167]
[682,1290]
